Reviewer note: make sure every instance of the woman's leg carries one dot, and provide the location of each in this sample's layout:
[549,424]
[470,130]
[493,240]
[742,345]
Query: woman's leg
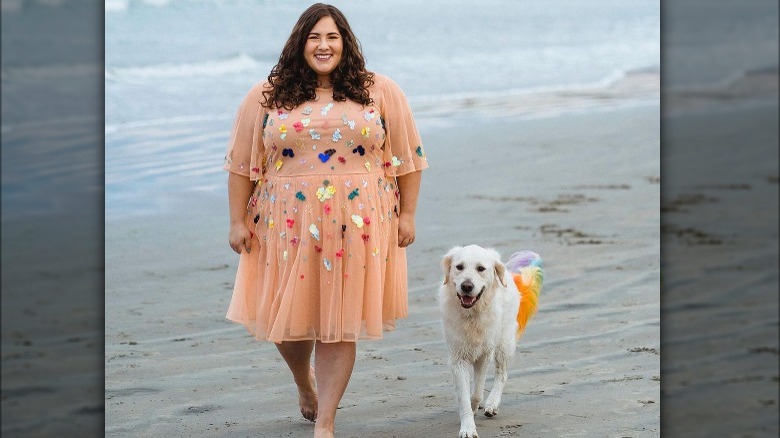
[298,357]
[333,363]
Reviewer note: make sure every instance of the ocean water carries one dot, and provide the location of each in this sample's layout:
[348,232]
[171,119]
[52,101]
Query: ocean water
[193,60]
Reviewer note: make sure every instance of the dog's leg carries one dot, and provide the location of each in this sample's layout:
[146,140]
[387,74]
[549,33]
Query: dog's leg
[503,355]
[461,377]
[480,373]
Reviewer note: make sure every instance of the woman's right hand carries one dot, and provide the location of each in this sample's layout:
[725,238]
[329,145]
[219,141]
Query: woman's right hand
[240,237]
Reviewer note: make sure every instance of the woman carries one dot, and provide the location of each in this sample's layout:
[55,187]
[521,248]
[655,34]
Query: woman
[325,165]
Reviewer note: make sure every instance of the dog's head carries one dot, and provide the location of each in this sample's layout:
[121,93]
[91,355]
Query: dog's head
[471,271]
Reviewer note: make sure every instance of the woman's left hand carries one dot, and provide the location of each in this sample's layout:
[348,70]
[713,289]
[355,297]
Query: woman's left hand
[405,230]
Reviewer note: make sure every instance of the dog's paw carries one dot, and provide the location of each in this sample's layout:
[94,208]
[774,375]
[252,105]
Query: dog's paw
[491,410]
[468,433]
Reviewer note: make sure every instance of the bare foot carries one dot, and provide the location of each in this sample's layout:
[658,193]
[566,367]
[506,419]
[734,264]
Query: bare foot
[323,433]
[307,398]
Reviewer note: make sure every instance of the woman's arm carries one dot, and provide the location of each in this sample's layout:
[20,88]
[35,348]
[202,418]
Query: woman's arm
[239,190]
[409,187]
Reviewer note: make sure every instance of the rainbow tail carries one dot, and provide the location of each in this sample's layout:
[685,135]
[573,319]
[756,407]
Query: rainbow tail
[526,269]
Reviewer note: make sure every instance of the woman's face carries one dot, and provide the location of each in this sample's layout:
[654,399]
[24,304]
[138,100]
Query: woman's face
[323,49]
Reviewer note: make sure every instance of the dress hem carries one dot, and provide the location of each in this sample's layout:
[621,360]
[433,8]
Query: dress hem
[259,338]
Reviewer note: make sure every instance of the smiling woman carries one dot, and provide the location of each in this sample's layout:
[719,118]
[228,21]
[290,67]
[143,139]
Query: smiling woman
[325,162]
[323,50]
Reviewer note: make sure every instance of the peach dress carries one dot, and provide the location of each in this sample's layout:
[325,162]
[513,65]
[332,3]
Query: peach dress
[325,262]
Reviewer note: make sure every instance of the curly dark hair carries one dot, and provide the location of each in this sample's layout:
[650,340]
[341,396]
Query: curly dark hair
[293,82]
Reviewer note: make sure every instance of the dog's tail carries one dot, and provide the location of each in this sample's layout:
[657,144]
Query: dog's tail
[526,269]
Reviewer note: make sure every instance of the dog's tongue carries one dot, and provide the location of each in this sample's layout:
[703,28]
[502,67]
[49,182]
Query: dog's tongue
[467,301]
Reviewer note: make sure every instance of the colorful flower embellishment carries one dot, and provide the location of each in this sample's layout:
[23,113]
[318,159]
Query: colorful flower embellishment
[369,114]
[306,111]
[290,223]
[359,150]
[375,252]
[318,248]
[350,123]
[350,143]
[298,126]
[367,220]
[325,193]
[325,156]
[305,122]
[336,135]
[300,196]
[340,253]
[282,115]
[342,160]
[315,233]
[396,162]
[365,237]
[270,223]
[328,264]
[365,132]
[294,241]
[419,151]
[287,152]
[283,130]
[265,120]
[358,220]
[353,194]
[278,164]
[326,108]
[314,135]
[326,208]
[368,166]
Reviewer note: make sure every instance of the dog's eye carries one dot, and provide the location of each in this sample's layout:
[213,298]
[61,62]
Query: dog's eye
[480,268]
[459,267]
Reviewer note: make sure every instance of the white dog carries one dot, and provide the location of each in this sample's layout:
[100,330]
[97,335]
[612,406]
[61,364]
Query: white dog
[485,306]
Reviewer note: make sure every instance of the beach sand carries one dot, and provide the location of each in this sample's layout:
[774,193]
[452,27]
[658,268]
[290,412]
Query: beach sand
[582,190]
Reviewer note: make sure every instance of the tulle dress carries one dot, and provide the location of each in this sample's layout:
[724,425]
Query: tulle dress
[325,262]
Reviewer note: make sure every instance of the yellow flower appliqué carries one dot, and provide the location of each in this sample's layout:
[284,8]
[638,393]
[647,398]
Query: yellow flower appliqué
[325,193]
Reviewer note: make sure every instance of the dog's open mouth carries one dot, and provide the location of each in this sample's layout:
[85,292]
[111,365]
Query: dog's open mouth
[468,301]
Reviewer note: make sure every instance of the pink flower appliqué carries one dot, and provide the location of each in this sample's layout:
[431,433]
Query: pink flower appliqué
[298,126]
[326,208]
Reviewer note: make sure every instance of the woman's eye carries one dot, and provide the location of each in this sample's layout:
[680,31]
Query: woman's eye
[459,267]
[480,268]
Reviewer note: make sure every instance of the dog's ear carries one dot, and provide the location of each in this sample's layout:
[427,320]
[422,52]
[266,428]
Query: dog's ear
[500,271]
[499,267]
[446,263]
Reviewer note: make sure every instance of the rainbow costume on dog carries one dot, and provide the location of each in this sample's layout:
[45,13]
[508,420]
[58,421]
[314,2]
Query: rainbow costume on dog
[526,269]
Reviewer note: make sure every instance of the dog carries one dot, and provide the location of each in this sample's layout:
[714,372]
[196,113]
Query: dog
[485,306]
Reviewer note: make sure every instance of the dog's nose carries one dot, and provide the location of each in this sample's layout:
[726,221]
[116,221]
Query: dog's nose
[467,286]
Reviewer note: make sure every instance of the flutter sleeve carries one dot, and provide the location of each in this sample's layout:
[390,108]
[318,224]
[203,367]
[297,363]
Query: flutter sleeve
[403,149]
[245,150]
